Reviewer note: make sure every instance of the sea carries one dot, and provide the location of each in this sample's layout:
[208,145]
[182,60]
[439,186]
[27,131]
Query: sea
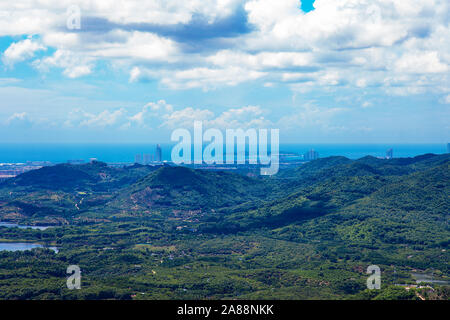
[125,153]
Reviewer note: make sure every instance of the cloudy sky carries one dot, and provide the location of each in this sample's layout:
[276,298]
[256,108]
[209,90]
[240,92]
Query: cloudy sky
[324,71]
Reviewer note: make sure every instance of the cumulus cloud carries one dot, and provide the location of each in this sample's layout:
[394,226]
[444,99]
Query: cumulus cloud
[339,24]
[446,99]
[208,78]
[185,118]
[135,45]
[421,62]
[244,117]
[189,44]
[52,14]
[311,115]
[106,118]
[367,104]
[150,112]
[73,65]
[19,120]
[162,115]
[20,51]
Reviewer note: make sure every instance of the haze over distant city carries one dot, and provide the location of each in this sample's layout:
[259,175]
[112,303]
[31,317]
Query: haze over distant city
[321,71]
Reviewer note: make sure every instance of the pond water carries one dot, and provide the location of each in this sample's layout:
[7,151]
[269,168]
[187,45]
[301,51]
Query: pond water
[22,246]
[427,278]
[15,225]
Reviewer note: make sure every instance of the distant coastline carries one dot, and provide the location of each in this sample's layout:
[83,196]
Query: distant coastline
[111,153]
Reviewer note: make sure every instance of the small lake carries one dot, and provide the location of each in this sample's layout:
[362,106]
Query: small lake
[427,278]
[22,246]
[15,225]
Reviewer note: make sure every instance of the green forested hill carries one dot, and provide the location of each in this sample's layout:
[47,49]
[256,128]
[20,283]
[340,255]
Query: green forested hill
[176,233]
[60,192]
[95,176]
[419,184]
[188,189]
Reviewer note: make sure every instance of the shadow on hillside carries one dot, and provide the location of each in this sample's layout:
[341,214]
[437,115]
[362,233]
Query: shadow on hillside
[227,225]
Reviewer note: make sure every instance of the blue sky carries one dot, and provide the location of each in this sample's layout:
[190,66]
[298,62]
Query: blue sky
[321,71]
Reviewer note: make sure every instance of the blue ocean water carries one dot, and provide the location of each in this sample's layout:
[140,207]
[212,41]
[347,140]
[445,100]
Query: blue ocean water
[58,153]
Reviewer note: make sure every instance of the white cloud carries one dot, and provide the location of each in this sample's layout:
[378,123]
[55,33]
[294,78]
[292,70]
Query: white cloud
[367,104]
[162,115]
[310,115]
[106,118]
[185,118]
[162,12]
[19,120]
[62,40]
[209,78]
[244,117]
[446,99]
[20,51]
[262,60]
[356,43]
[31,17]
[150,112]
[18,116]
[355,37]
[138,45]
[135,74]
[337,24]
[421,62]
[73,65]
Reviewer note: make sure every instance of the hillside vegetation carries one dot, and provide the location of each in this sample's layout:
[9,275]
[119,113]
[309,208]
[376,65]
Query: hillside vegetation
[146,232]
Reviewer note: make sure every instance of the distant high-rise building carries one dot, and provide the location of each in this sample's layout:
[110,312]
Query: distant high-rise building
[158,153]
[138,158]
[147,158]
[448,147]
[389,153]
[311,155]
